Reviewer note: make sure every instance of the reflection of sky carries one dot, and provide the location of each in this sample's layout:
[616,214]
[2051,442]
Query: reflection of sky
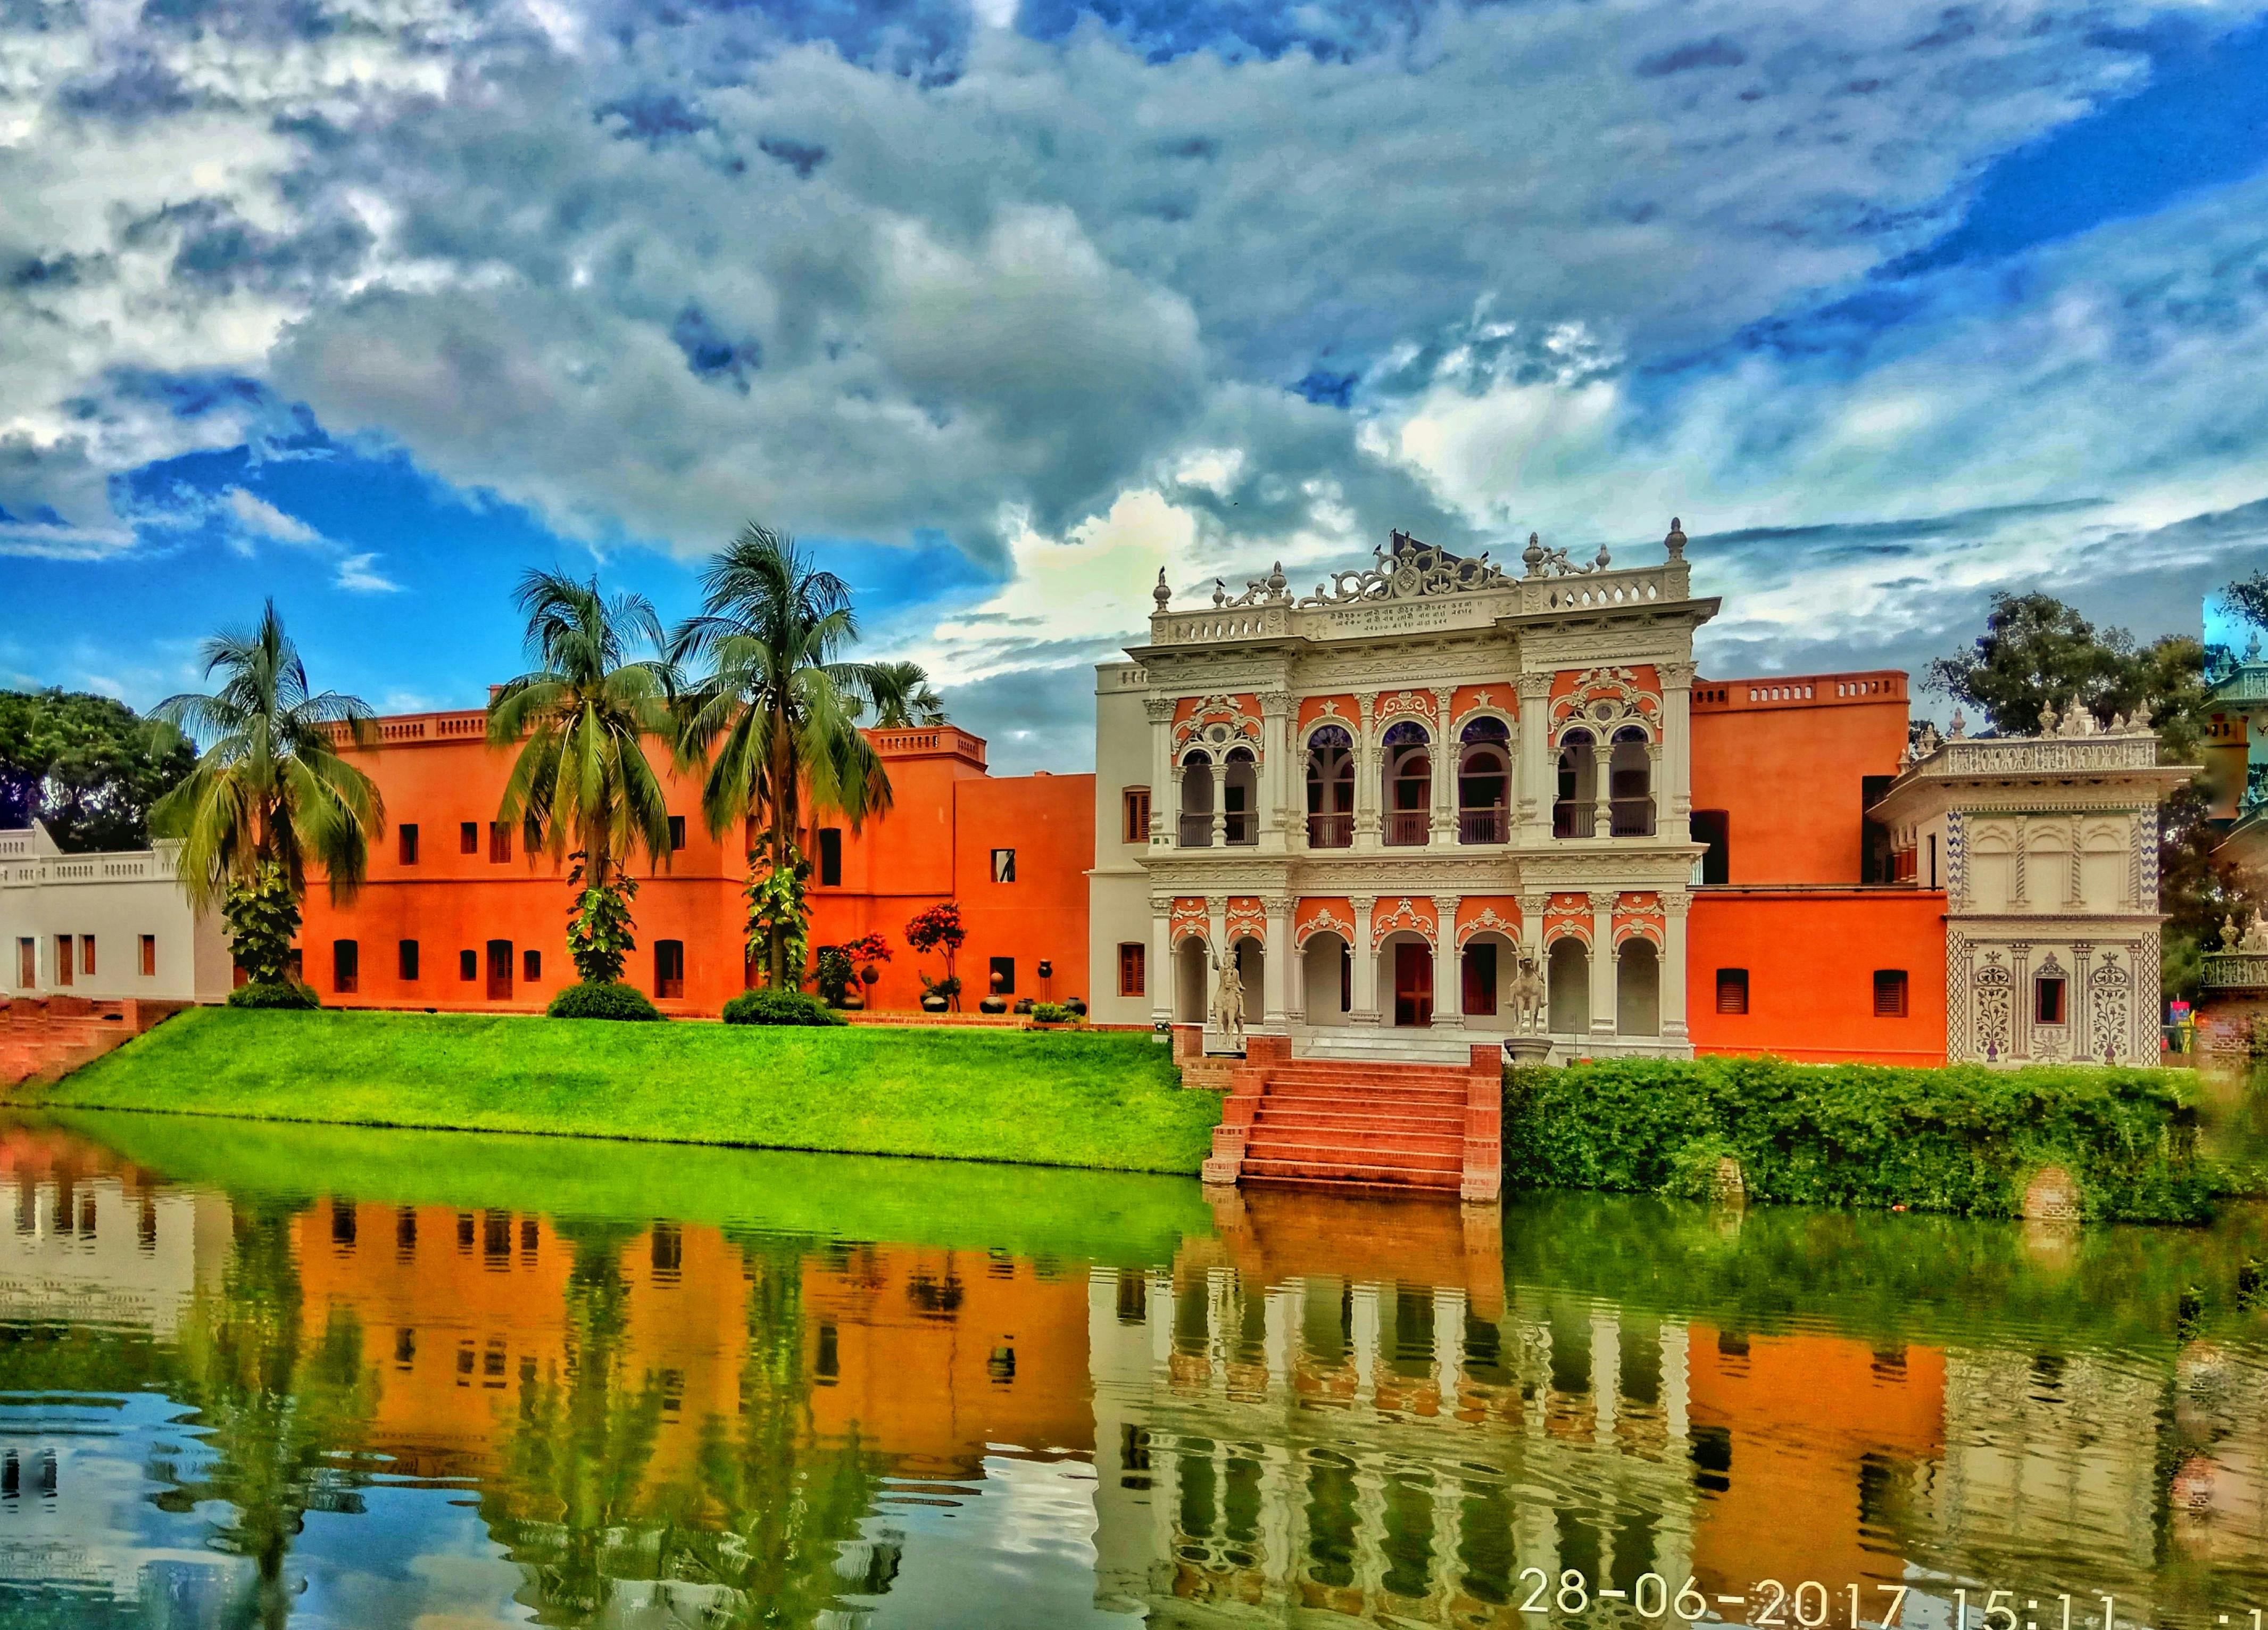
[417,1556]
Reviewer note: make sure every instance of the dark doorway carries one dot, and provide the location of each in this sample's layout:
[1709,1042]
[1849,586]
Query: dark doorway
[499,970]
[1413,984]
[1480,980]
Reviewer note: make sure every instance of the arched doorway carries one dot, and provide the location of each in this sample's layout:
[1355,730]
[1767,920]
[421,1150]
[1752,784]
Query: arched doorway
[1569,964]
[1629,784]
[1484,782]
[1574,811]
[1405,973]
[1197,802]
[1330,788]
[1409,770]
[1190,984]
[1486,966]
[1638,987]
[1252,972]
[1327,966]
[1240,801]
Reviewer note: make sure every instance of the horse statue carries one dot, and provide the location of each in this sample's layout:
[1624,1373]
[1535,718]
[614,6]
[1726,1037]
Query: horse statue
[1229,999]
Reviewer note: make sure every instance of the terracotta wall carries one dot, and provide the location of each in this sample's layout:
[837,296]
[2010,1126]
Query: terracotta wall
[1786,758]
[1811,956]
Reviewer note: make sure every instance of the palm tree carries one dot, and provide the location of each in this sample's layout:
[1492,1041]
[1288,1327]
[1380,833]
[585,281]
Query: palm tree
[582,784]
[270,792]
[903,697]
[776,717]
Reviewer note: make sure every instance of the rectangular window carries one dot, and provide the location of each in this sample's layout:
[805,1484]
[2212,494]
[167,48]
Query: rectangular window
[2047,1000]
[1877,864]
[1133,969]
[405,837]
[1004,865]
[149,955]
[27,963]
[499,842]
[669,968]
[346,966]
[406,960]
[469,837]
[62,959]
[530,965]
[1004,976]
[1732,989]
[1933,860]
[676,833]
[1889,992]
[830,856]
[1135,802]
[86,952]
[1714,827]
[469,966]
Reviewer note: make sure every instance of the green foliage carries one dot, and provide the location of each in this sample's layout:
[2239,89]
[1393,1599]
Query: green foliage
[939,929]
[86,766]
[779,1007]
[2248,598]
[903,696]
[1695,1168]
[601,999]
[599,925]
[1052,1012]
[1962,1140]
[287,994]
[262,912]
[834,973]
[779,918]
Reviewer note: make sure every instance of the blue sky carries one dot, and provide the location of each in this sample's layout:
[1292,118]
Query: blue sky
[371,305]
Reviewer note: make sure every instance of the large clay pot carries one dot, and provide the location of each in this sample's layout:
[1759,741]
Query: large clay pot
[931,1002]
[993,1005]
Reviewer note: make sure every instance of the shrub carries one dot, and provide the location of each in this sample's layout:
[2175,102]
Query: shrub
[280,994]
[1962,1140]
[603,999]
[1053,1012]
[779,1007]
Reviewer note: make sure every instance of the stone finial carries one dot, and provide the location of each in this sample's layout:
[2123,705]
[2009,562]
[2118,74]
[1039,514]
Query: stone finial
[2139,718]
[2118,724]
[1959,729]
[1534,555]
[2048,719]
[1277,584]
[1163,595]
[1602,559]
[1219,593]
[1675,541]
[2231,936]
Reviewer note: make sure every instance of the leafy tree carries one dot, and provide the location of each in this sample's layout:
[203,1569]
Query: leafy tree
[903,697]
[774,718]
[582,784]
[939,929]
[270,791]
[87,766]
[2248,598]
[779,918]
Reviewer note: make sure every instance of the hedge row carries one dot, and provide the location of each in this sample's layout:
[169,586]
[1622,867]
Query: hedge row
[1965,1140]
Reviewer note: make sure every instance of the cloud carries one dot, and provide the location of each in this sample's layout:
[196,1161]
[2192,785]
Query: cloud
[258,516]
[359,574]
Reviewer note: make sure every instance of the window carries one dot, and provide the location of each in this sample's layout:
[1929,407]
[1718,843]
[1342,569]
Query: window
[149,955]
[830,856]
[1933,860]
[27,963]
[1133,969]
[530,965]
[1134,805]
[86,952]
[669,966]
[2047,1000]
[1004,976]
[1877,862]
[676,833]
[469,966]
[1889,992]
[1574,809]
[1732,989]
[827,1369]
[1004,865]
[1714,827]
[469,837]
[499,970]
[62,959]
[499,842]
[346,966]
[405,837]
[406,959]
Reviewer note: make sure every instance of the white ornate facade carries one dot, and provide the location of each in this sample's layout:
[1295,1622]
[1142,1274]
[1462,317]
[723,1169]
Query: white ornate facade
[2047,849]
[1381,795]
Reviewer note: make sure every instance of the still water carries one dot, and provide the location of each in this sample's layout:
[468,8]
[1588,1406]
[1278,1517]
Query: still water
[309,1376]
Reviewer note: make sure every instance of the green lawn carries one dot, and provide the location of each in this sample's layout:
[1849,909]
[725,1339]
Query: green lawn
[1049,1098]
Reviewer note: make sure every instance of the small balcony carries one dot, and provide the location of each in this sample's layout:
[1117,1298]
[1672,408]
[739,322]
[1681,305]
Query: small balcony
[1243,828]
[1408,828]
[1570,819]
[1197,830]
[1330,831]
[1483,826]
[1631,817]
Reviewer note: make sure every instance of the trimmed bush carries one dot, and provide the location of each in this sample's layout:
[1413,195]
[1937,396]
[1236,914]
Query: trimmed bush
[779,1007]
[278,993]
[616,1000]
[1962,1140]
[1053,1012]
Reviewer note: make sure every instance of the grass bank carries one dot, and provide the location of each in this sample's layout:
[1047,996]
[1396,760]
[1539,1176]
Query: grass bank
[1963,1140]
[1048,1098]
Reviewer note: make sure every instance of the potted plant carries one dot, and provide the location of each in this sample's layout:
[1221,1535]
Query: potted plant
[937,995]
[1053,1016]
[939,929]
[995,1002]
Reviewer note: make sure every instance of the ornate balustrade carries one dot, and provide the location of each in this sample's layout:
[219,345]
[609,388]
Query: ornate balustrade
[2236,970]
[1407,828]
[1483,826]
[139,866]
[1330,831]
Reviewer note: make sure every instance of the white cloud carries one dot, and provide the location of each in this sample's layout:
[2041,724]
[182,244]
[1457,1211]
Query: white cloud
[256,515]
[359,574]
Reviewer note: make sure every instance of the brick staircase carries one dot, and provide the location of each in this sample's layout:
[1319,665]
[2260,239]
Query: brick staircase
[41,1039]
[1366,1125]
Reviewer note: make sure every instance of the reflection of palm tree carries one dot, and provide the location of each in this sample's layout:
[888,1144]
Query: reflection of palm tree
[280,1423]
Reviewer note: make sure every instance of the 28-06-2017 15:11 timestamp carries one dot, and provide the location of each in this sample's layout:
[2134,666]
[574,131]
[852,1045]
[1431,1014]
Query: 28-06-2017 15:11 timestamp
[1810,1605]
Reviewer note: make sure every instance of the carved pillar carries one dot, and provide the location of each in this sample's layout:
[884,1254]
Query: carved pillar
[1603,784]
[1448,971]
[1216,945]
[1602,961]
[1164,784]
[1676,798]
[1445,770]
[1653,788]
[1365,777]
[1673,908]
[1364,1007]
[1537,785]
[2019,890]
[1163,975]
[1280,976]
[1276,787]
[1220,806]
[1531,907]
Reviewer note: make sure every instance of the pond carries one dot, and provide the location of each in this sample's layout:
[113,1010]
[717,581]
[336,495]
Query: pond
[253,1375]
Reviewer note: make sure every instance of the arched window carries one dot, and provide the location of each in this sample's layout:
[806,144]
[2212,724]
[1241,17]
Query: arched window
[1568,975]
[1574,813]
[1239,790]
[1409,783]
[1197,802]
[1638,988]
[1484,782]
[1629,784]
[1330,788]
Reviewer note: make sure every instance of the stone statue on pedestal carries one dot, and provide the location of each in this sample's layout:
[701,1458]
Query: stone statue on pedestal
[1228,999]
[1531,999]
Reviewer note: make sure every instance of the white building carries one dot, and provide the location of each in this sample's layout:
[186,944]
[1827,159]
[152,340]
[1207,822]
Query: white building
[104,926]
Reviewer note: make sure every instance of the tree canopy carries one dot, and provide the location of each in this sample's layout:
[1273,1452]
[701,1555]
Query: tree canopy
[88,766]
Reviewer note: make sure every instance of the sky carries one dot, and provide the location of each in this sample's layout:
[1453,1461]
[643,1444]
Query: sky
[1002,308]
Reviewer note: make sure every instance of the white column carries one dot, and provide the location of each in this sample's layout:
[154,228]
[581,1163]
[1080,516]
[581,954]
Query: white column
[1674,906]
[1162,973]
[1364,1338]
[1533,905]
[1280,1315]
[1602,779]
[1602,961]
[1606,1374]
[1365,777]
[1449,1345]
[1536,786]
[1445,768]
[1274,790]
[1280,974]
[1449,967]
[1165,792]
[1363,1008]
[1675,800]
[1216,945]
